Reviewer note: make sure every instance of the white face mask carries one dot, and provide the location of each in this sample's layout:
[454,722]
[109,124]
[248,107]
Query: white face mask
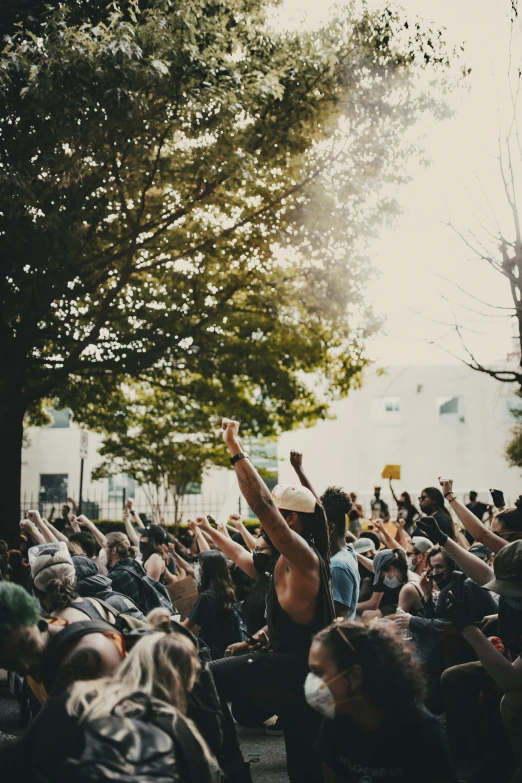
[409,561]
[391,581]
[319,696]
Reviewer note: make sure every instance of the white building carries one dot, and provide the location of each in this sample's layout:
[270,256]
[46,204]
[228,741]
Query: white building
[429,420]
[432,421]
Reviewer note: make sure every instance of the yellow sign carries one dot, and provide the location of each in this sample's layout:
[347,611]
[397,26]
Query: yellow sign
[392,472]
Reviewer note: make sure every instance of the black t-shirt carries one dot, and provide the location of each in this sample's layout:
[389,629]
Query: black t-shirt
[391,594]
[403,749]
[217,627]
[479,509]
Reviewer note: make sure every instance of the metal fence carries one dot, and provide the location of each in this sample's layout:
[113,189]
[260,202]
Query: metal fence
[112,508]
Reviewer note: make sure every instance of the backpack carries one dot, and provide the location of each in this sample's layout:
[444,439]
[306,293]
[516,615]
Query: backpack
[124,621]
[125,750]
[153,594]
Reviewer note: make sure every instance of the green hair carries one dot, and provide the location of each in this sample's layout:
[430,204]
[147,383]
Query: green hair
[18,609]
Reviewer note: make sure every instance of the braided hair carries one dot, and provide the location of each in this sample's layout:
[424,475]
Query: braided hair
[317,532]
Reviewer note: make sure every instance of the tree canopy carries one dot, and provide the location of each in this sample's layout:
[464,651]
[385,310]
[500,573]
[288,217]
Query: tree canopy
[185,199]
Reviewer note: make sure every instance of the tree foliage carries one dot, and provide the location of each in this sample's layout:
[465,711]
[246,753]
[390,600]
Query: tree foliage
[185,196]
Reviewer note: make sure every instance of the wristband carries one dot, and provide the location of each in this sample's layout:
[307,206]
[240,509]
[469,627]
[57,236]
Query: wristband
[449,493]
[237,457]
[453,498]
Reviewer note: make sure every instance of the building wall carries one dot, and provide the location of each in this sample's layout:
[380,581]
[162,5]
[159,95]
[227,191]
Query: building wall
[352,449]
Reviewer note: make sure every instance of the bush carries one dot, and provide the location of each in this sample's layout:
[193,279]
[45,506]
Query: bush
[109,525]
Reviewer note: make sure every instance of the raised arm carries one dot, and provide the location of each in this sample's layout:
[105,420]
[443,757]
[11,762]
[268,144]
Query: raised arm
[56,533]
[74,505]
[231,549]
[296,461]
[26,526]
[472,524]
[91,527]
[257,495]
[471,565]
[394,496]
[385,537]
[200,538]
[135,517]
[129,528]
[183,564]
[36,519]
[248,538]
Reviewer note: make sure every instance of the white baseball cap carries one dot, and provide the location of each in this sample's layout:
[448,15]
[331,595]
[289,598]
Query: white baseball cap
[294,497]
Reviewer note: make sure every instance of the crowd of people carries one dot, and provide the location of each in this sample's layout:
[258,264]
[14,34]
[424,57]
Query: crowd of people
[383,649]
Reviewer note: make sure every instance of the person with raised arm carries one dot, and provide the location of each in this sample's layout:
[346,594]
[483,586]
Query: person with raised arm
[299,603]
[248,538]
[506,526]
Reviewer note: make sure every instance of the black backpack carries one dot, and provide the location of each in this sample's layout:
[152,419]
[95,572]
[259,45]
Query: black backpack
[154,595]
[123,749]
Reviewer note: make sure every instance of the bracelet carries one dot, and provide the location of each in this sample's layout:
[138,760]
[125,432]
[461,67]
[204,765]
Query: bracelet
[453,498]
[449,493]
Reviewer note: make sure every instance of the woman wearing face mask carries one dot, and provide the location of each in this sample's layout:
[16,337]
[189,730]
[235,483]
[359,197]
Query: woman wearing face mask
[257,565]
[367,684]
[391,573]
[431,502]
[213,611]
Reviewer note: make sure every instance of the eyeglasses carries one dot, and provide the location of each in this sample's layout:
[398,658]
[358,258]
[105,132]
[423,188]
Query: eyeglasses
[507,536]
[423,497]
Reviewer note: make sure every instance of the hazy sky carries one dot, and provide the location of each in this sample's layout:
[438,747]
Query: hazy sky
[414,256]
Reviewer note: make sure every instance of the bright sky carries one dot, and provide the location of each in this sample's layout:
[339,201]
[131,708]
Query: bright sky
[413,257]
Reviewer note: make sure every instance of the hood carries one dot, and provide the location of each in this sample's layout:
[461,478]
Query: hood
[89,581]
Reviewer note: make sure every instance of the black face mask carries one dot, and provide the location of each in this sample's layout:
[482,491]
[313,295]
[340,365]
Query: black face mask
[144,547]
[262,561]
[440,579]
[428,508]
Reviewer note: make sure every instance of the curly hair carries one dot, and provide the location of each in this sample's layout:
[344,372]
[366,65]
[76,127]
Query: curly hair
[391,676]
[337,504]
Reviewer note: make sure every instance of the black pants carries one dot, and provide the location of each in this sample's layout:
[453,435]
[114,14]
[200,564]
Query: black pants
[272,682]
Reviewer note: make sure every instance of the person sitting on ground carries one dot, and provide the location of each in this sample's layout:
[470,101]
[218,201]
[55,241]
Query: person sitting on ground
[367,685]
[299,603]
[136,718]
[54,584]
[91,584]
[343,562]
[28,645]
[390,575]
[364,549]
[213,613]
[412,596]
[155,553]
[128,576]
[90,548]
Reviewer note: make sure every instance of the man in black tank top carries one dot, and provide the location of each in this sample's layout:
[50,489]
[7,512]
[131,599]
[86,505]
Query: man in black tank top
[299,603]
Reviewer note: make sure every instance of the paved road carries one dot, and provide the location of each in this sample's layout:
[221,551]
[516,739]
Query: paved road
[266,753]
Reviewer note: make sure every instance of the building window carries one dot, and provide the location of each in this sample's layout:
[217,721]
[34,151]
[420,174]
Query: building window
[53,487]
[121,487]
[451,409]
[60,419]
[387,410]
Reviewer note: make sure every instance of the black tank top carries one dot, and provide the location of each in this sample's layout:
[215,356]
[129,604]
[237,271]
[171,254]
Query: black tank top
[287,636]
[87,608]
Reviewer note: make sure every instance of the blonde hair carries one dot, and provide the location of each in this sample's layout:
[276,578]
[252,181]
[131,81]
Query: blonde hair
[121,544]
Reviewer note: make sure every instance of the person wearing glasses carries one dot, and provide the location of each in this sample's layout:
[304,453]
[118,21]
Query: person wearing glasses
[431,502]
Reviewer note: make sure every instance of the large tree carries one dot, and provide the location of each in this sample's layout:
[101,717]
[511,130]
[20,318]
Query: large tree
[155,164]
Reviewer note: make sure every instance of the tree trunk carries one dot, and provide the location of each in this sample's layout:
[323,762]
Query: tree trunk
[11,439]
